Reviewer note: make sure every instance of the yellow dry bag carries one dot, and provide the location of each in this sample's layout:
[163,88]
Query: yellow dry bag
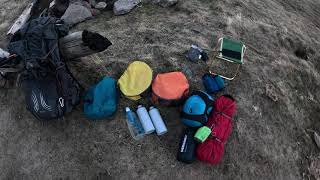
[135,80]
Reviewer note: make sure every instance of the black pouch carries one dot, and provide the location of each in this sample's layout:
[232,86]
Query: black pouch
[195,53]
[187,147]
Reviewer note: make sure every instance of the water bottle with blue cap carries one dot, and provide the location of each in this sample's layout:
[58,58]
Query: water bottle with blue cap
[134,125]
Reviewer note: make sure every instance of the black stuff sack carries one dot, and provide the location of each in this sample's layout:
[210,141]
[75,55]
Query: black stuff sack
[187,147]
[195,54]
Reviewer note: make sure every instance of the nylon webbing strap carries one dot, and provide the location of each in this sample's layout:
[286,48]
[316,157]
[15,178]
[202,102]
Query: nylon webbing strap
[201,117]
[205,98]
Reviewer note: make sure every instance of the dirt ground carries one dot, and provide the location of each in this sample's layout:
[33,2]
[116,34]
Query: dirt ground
[270,140]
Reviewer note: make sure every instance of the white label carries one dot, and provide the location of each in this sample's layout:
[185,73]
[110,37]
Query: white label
[184,143]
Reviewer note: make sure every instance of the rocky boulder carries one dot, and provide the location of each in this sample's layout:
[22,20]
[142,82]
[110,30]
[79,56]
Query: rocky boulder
[75,14]
[124,6]
[100,5]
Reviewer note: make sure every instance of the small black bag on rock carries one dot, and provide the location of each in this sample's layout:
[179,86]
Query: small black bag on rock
[187,147]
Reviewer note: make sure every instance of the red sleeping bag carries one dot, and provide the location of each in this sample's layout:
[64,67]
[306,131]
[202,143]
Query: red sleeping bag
[220,122]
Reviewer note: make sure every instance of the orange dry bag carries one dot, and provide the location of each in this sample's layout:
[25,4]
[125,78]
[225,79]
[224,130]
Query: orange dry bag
[170,88]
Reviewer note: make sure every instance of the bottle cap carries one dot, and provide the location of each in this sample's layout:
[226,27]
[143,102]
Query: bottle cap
[127,109]
[140,106]
[151,107]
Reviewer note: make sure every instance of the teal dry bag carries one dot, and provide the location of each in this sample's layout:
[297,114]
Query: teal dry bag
[101,100]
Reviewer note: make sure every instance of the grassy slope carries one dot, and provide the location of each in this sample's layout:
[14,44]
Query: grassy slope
[269,139]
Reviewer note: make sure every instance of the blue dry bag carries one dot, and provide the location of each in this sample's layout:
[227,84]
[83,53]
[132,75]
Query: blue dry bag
[212,83]
[101,100]
[196,109]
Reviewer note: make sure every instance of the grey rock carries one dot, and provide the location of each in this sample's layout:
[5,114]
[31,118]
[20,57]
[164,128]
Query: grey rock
[94,12]
[86,4]
[93,3]
[124,6]
[4,54]
[100,5]
[75,14]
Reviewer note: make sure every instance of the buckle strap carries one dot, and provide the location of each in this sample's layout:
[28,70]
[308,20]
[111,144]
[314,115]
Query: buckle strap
[200,118]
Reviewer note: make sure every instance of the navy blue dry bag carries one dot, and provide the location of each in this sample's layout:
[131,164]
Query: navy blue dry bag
[212,83]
